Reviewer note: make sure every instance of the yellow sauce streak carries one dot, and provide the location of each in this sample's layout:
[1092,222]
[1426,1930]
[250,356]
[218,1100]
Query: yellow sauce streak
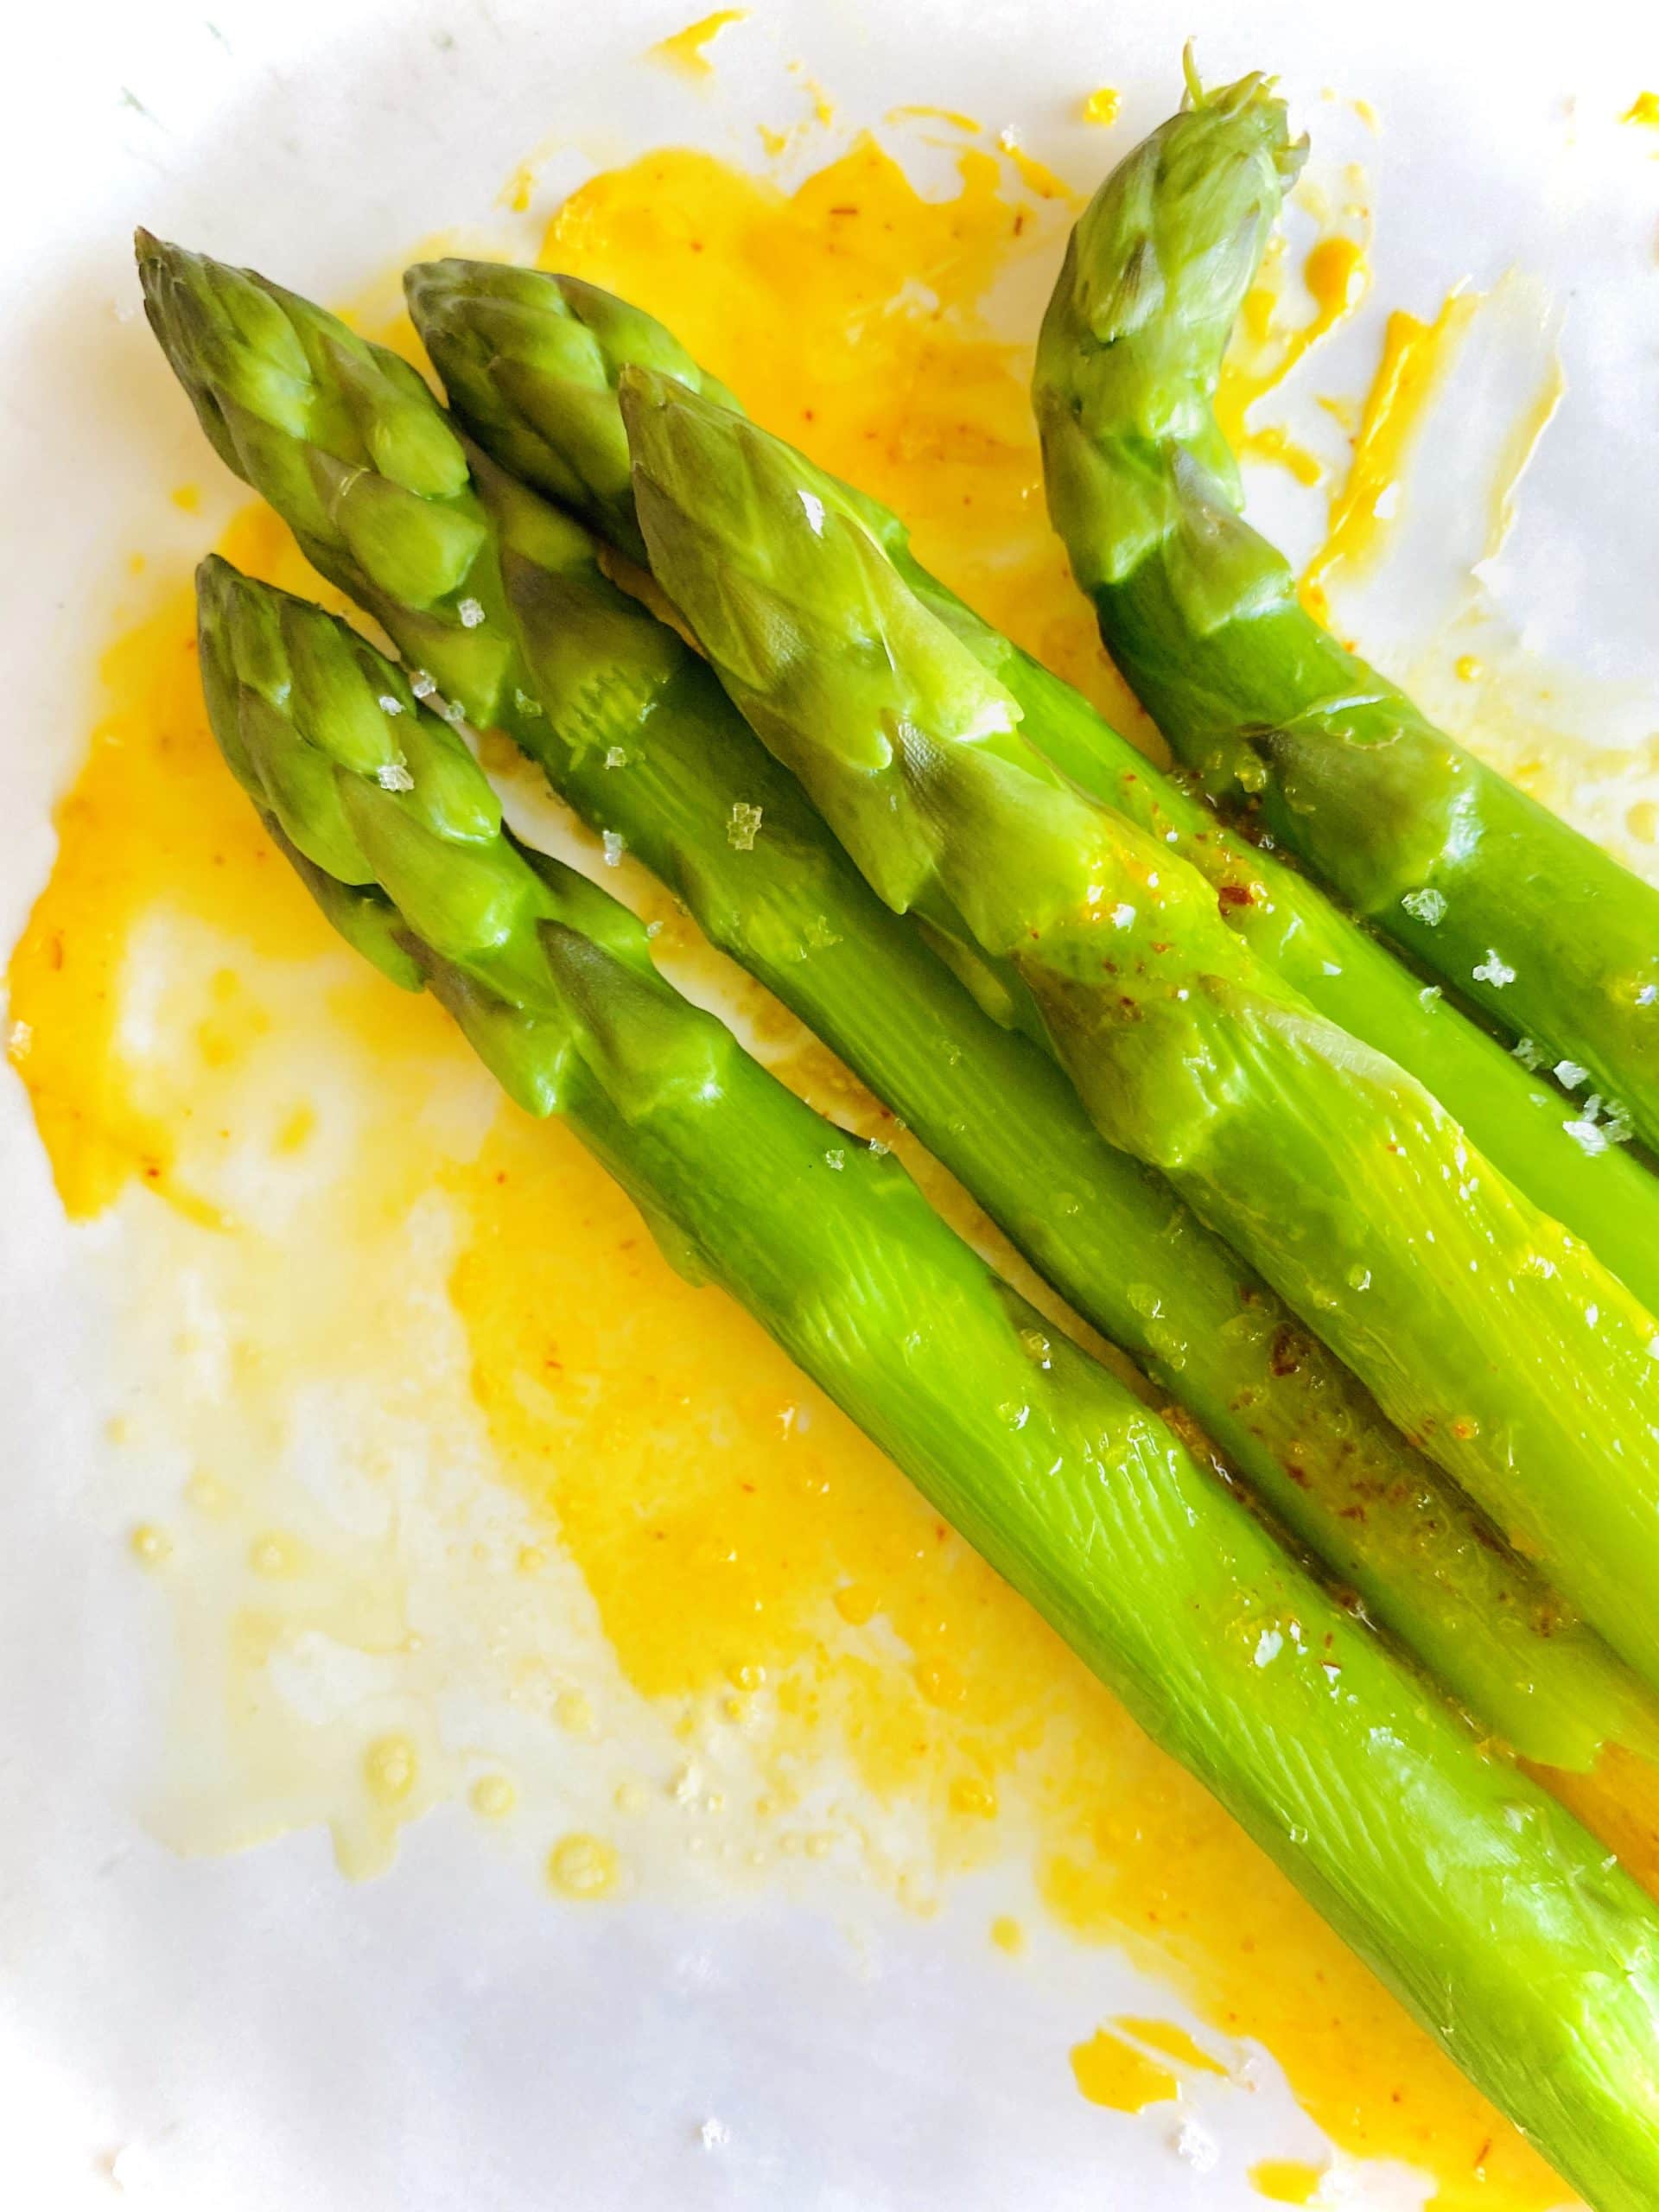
[1036,175]
[1286,2181]
[1644,108]
[1415,355]
[1113,2073]
[687,50]
[1263,354]
[949,115]
[787,1605]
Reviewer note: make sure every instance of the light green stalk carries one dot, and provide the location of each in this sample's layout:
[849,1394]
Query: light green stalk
[1480,1900]
[1484,1329]
[531,363]
[633,729]
[1555,939]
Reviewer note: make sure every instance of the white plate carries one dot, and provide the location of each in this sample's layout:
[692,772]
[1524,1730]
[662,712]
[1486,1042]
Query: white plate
[251,2031]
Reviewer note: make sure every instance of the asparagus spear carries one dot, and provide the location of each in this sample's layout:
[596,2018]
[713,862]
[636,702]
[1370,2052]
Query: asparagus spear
[633,730]
[1483,1328]
[1555,939]
[531,362]
[1482,1901]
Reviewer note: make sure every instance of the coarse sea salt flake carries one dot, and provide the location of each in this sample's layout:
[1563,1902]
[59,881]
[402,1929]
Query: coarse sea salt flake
[1427,906]
[1196,2147]
[744,827]
[1494,969]
[471,613]
[421,683]
[615,845]
[1268,1645]
[1569,1074]
[394,777]
[388,705]
[1590,1135]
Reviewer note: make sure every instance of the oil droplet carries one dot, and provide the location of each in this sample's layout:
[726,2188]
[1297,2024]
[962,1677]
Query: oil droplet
[974,1799]
[574,1710]
[389,1767]
[1286,2181]
[207,1493]
[296,1130]
[1113,2073]
[857,1603]
[940,1684]
[581,1866]
[1102,106]
[1007,1934]
[150,1545]
[1174,2043]
[1468,668]
[685,50]
[493,1796]
[272,1555]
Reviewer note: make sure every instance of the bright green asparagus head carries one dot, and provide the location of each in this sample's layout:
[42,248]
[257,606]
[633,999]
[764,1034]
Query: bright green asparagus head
[532,361]
[1131,343]
[398,835]
[356,454]
[842,670]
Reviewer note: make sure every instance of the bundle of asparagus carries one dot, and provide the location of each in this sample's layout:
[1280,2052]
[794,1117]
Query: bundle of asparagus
[631,729]
[1483,1903]
[1197,996]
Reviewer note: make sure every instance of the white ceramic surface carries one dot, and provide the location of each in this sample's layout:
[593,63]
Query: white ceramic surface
[252,2032]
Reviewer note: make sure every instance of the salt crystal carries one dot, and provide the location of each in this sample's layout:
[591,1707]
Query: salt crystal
[813,507]
[1430,994]
[454,712]
[471,614]
[525,703]
[1588,1134]
[1197,2147]
[394,777]
[1122,916]
[388,705]
[1569,1074]
[1494,970]
[744,827]
[713,2135]
[1528,1054]
[421,683]
[836,1158]
[1427,906]
[1268,1645]
[616,757]
[615,845]
[1647,995]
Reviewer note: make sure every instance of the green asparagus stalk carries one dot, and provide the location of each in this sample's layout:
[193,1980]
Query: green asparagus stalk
[633,730]
[532,361]
[1484,1329]
[1474,880]
[1527,1951]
